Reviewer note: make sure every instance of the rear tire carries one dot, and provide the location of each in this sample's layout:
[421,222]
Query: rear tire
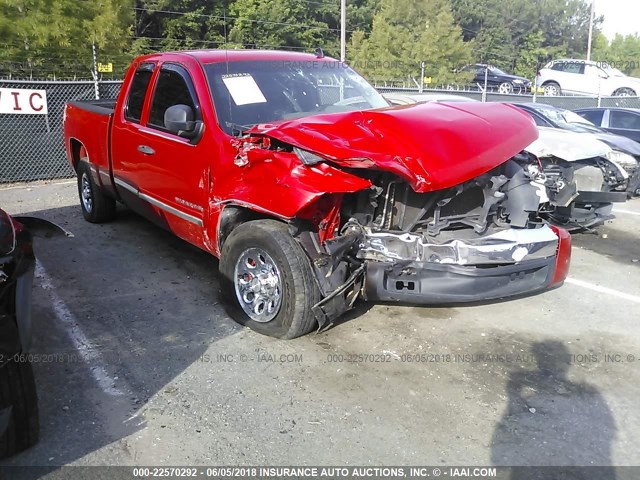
[506,88]
[275,251]
[19,403]
[96,206]
[552,89]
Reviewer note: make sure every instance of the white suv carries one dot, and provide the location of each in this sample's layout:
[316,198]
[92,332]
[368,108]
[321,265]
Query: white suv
[581,77]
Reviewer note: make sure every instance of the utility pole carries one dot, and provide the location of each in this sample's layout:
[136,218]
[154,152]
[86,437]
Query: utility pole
[95,71]
[343,30]
[593,13]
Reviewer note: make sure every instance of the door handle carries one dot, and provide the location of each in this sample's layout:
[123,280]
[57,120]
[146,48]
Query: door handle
[146,150]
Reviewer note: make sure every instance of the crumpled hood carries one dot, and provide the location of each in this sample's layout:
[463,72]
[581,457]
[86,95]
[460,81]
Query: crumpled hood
[432,146]
[569,146]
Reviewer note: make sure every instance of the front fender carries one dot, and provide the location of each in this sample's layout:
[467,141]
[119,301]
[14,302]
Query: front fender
[281,186]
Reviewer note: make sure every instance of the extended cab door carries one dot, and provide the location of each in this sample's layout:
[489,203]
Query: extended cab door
[167,172]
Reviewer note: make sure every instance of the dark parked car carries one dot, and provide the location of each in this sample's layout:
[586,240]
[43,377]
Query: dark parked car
[626,152]
[18,400]
[497,80]
[622,121]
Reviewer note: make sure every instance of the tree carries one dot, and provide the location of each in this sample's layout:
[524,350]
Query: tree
[56,37]
[294,24]
[406,33]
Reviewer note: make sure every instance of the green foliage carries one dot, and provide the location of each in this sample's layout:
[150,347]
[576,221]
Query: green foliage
[291,24]
[622,53]
[386,39]
[45,36]
[406,33]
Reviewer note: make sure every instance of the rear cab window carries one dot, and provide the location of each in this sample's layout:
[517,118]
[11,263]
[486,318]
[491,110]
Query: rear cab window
[138,92]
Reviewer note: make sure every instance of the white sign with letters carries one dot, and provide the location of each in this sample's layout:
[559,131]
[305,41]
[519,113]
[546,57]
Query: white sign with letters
[22,101]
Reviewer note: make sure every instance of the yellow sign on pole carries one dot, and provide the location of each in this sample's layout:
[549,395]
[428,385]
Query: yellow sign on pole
[427,80]
[105,67]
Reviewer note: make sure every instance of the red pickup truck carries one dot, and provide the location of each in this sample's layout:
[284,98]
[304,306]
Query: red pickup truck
[312,190]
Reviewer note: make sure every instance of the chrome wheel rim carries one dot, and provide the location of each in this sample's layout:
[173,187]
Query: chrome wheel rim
[86,196]
[258,285]
[505,88]
[551,90]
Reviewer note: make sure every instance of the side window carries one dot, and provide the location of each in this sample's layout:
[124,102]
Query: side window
[626,120]
[137,92]
[568,67]
[594,116]
[172,88]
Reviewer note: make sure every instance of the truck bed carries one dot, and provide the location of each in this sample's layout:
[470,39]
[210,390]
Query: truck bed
[102,107]
[88,123]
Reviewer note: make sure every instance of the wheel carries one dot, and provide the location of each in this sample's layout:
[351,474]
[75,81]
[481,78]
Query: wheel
[96,206]
[19,425]
[551,89]
[505,87]
[624,92]
[267,281]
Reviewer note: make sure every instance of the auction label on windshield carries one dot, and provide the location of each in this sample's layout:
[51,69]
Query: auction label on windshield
[243,89]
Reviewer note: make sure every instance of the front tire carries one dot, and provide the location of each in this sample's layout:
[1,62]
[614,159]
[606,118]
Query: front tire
[267,282]
[96,206]
[625,92]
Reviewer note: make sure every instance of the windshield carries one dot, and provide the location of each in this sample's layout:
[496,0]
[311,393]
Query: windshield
[613,72]
[561,117]
[252,92]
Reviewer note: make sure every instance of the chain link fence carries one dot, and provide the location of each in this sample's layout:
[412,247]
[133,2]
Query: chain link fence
[32,146]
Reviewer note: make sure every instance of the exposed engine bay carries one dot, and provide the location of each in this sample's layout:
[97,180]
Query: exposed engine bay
[489,222]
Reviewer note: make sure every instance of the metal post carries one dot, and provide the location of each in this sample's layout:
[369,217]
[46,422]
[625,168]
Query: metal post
[486,80]
[343,30]
[95,71]
[421,77]
[593,12]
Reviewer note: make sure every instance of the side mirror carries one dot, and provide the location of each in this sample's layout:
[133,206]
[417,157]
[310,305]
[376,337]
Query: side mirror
[179,119]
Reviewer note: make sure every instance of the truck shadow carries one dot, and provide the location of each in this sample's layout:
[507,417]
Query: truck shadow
[120,310]
[546,413]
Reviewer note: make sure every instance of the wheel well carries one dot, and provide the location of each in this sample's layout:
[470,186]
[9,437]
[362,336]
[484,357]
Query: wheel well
[233,216]
[625,88]
[548,82]
[76,149]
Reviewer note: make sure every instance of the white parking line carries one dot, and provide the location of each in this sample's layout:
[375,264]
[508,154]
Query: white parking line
[628,212]
[605,290]
[86,349]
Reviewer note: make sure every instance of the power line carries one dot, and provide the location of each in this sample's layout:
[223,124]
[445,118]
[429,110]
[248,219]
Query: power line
[221,17]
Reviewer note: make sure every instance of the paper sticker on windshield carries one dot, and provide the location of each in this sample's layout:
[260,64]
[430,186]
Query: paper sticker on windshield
[243,89]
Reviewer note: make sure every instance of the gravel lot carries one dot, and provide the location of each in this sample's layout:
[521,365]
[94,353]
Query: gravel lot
[150,370]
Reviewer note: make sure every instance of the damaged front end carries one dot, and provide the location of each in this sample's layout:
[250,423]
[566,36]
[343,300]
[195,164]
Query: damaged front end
[581,176]
[445,214]
[477,241]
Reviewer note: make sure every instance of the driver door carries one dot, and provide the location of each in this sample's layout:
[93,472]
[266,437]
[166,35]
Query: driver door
[173,170]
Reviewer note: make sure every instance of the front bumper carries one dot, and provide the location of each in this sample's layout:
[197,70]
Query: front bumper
[423,282]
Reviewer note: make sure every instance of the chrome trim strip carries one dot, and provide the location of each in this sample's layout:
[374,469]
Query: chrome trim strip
[170,209]
[167,208]
[126,186]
